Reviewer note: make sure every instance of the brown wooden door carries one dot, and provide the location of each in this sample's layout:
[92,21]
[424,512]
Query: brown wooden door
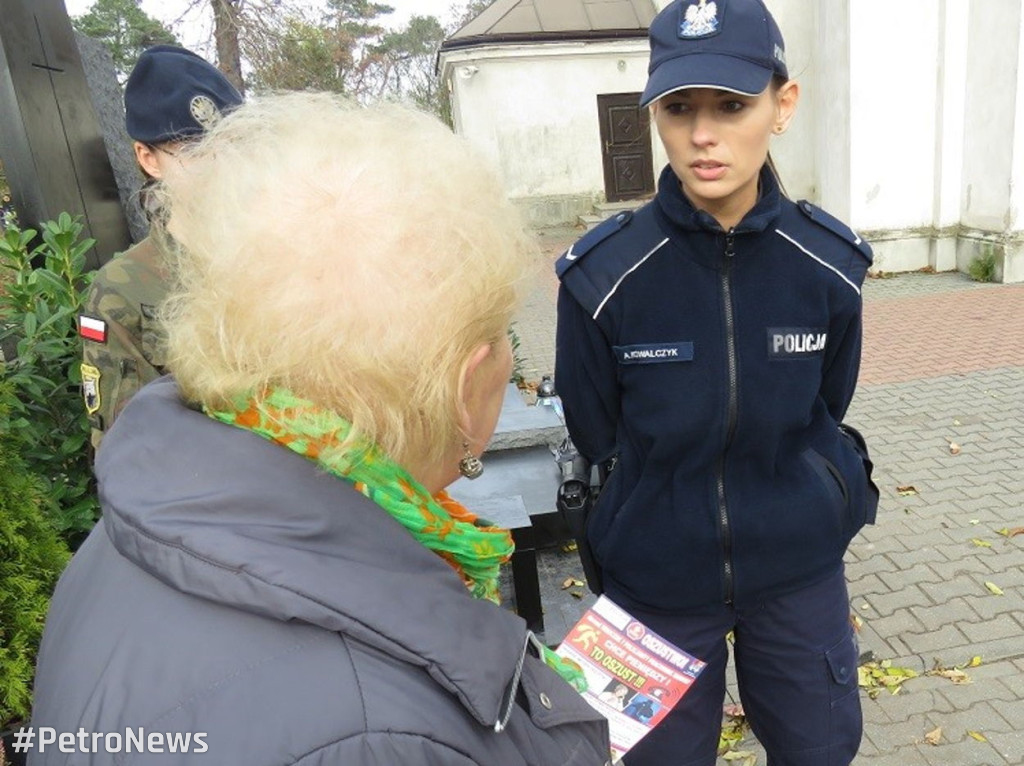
[625,146]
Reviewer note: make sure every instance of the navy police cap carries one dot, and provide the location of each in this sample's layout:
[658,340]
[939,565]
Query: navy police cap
[732,45]
[173,94]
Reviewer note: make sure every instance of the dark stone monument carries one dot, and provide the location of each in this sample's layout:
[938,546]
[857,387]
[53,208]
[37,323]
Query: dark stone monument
[108,102]
[52,145]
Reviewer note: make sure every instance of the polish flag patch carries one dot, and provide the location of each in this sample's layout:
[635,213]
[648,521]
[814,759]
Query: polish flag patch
[92,328]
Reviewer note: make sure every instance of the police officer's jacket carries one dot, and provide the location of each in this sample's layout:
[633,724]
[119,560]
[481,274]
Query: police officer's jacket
[716,367]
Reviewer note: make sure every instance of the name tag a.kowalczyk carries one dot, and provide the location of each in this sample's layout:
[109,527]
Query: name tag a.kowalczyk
[655,353]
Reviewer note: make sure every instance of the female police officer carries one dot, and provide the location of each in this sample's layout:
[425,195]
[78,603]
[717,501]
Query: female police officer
[709,345]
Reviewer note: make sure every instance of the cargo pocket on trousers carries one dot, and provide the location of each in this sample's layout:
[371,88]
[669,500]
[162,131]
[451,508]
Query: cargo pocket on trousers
[845,718]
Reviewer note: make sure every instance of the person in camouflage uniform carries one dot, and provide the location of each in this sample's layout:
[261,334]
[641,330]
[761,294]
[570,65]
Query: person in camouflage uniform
[171,98]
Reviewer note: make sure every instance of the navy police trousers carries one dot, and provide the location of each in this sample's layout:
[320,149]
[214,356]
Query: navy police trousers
[796,664]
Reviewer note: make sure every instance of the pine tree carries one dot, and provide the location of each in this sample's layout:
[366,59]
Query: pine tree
[125,29]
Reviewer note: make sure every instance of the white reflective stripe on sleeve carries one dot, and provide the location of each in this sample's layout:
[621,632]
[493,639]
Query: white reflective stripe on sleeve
[633,268]
[828,266]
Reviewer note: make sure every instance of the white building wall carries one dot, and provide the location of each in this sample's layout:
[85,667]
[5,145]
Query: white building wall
[893,114]
[993,165]
[794,152]
[532,109]
[831,99]
[893,129]
[951,89]
[1010,267]
[994,34]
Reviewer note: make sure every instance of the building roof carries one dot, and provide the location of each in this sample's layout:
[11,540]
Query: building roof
[550,20]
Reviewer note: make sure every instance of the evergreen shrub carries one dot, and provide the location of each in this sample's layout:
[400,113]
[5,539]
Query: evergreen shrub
[32,556]
[41,291]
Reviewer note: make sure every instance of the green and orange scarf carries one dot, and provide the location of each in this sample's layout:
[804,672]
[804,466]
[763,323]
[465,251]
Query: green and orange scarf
[474,547]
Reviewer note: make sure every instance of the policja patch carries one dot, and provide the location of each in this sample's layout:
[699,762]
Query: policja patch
[91,388]
[796,342]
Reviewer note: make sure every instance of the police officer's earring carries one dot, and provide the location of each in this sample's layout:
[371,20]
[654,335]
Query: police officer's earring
[470,466]
[778,129]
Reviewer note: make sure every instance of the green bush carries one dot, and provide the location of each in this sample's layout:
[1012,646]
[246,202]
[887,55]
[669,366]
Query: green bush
[518,363]
[983,267]
[32,556]
[40,403]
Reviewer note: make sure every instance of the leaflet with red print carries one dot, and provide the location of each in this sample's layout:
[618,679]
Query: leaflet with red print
[634,676]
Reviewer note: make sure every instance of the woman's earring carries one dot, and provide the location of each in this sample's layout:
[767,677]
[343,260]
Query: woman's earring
[470,466]
[778,129]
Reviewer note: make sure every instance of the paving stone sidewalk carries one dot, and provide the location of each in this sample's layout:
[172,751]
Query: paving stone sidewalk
[943,363]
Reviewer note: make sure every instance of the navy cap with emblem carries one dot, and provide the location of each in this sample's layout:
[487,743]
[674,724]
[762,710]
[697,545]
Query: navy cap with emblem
[173,94]
[731,45]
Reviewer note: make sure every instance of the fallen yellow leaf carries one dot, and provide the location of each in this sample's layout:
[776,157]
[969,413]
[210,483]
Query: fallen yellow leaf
[933,737]
[981,543]
[953,674]
[737,755]
[734,728]
[993,588]
[977,735]
[906,490]
[876,676]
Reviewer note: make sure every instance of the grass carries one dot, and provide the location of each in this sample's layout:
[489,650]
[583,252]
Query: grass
[983,267]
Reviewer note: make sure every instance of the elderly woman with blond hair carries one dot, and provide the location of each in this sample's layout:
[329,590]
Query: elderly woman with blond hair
[279,576]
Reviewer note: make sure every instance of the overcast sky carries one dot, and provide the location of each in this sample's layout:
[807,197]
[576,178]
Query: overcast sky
[194,30]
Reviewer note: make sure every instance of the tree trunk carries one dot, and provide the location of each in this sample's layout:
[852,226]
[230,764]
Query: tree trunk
[225,33]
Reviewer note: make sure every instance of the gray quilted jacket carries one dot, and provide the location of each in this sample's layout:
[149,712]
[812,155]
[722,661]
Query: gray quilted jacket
[236,592]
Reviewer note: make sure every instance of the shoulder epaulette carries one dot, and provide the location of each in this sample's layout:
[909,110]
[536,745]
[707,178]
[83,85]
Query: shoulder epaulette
[835,226]
[591,239]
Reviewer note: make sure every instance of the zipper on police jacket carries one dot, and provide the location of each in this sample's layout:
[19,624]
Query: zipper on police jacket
[730,346]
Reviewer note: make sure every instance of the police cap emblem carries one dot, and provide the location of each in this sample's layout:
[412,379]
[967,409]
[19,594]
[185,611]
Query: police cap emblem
[700,20]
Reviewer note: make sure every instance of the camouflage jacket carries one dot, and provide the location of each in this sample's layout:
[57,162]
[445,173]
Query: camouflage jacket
[123,344]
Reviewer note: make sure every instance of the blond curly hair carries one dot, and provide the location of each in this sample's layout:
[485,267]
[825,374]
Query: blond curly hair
[354,255]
